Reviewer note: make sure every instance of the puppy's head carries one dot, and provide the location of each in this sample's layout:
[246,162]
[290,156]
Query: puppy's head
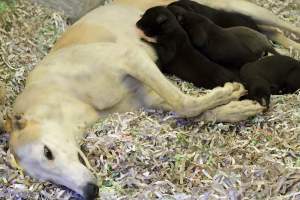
[157,21]
[184,4]
[48,152]
[195,25]
[177,11]
[191,19]
[260,91]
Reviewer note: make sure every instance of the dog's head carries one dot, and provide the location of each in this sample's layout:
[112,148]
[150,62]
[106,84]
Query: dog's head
[157,21]
[47,152]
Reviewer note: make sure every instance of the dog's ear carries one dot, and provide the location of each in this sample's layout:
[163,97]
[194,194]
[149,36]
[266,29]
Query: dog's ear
[162,18]
[14,122]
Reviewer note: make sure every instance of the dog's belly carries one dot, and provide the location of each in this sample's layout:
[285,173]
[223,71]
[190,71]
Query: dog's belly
[112,23]
[93,73]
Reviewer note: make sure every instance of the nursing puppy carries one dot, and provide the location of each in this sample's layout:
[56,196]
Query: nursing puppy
[251,17]
[222,18]
[270,75]
[176,55]
[230,47]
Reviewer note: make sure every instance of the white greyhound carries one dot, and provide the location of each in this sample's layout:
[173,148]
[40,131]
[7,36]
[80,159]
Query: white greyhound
[100,66]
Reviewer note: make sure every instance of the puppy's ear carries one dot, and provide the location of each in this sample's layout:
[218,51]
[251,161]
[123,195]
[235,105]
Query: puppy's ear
[161,19]
[14,122]
[179,17]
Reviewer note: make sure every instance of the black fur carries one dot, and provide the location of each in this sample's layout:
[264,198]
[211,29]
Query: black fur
[176,54]
[230,47]
[270,75]
[220,17]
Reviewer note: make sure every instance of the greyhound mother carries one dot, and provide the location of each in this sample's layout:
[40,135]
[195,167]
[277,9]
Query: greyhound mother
[100,66]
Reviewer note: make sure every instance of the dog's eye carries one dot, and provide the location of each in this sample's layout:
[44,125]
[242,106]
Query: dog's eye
[48,154]
[81,159]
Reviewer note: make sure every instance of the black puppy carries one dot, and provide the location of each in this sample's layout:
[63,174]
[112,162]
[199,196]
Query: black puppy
[229,47]
[270,75]
[220,17]
[176,54]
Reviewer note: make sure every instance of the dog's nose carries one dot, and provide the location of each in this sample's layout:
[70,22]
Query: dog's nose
[91,191]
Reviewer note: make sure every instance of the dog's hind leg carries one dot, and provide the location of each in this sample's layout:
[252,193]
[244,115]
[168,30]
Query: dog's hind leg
[261,15]
[277,36]
[142,68]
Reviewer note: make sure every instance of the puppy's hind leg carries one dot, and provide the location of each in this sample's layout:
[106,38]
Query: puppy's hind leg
[292,82]
[142,68]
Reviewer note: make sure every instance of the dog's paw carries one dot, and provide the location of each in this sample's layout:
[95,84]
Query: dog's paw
[230,92]
[237,111]
[238,90]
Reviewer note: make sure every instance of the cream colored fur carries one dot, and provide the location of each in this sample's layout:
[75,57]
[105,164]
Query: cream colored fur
[98,67]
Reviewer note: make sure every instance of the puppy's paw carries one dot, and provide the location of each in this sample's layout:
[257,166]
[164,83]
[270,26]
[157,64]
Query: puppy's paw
[264,101]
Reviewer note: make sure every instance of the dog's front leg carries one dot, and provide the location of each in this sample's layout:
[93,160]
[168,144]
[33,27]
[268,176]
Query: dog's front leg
[141,67]
[234,111]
